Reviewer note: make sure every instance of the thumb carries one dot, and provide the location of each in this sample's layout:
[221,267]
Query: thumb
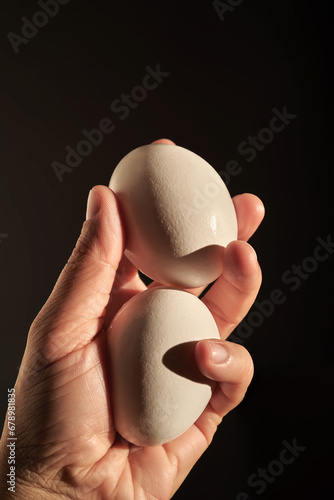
[75,310]
[228,364]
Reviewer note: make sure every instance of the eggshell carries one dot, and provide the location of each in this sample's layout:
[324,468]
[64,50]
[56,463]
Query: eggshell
[177,212]
[157,390]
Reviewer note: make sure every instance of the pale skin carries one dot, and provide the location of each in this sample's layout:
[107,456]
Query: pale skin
[67,447]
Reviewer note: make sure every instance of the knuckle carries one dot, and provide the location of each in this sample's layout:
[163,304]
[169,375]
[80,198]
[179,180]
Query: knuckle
[84,245]
[89,246]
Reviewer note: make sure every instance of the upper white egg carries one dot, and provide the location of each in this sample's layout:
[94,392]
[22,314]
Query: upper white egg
[177,212]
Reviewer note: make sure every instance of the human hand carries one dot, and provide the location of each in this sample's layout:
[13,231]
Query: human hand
[67,446]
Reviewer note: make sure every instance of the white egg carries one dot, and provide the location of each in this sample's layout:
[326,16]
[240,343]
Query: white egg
[157,390]
[177,212]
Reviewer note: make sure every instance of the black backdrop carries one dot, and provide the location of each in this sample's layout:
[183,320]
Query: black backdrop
[223,78]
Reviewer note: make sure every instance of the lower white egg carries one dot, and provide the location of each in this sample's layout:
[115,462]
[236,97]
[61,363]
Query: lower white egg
[157,391]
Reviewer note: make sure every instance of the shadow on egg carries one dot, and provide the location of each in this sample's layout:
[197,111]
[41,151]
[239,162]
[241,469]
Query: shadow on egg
[202,266]
[180,359]
[198,268]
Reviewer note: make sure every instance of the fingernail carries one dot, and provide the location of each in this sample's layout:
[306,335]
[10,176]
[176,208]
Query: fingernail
[93,204]
[218,353]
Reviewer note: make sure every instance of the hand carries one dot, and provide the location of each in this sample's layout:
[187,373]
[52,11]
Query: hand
[66,442]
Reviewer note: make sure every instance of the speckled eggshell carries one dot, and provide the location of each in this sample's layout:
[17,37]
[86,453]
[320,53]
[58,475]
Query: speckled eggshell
[156,388]
[178,214]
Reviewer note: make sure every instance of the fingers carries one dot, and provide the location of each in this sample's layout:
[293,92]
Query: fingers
[163,141]
[250,212]
[75,310]
[232,295]
[233,375]
[232,367]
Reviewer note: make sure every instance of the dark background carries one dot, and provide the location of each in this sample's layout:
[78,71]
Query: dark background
[225,79]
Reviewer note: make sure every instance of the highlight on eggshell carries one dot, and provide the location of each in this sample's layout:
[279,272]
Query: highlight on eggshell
[177,212]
